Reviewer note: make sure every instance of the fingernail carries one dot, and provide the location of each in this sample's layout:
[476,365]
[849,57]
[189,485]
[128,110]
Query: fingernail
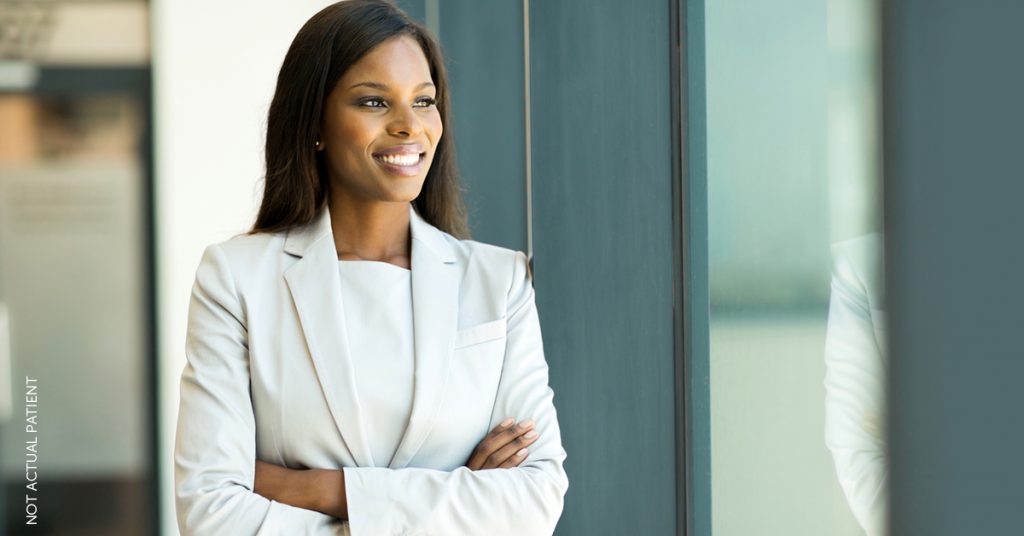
[507,422]
[531,434]
[522,452]
[526,424]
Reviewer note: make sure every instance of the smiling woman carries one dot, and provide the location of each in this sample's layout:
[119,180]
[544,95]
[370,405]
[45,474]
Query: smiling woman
[355,365]
[381,125]
[364,79]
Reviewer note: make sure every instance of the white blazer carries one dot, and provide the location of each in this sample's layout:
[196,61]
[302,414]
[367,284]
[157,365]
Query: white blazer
[269,377]
[856,361]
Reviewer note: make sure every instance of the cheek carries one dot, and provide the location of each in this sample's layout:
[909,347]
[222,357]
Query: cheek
[435,127]
[352,134]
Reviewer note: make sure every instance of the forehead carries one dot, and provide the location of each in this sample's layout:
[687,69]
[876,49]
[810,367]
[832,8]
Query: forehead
[395,62]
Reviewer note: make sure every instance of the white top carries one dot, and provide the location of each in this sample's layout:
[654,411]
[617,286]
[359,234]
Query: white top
[377,298]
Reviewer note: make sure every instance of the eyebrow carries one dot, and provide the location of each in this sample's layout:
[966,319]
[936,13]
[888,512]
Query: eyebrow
[384,87]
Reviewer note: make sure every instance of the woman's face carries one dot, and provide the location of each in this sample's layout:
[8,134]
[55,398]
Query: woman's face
[381,124]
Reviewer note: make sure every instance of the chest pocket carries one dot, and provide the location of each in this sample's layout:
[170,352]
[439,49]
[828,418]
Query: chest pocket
[480,333]
[469,393]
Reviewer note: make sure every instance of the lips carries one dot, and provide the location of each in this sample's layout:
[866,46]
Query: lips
[407,148]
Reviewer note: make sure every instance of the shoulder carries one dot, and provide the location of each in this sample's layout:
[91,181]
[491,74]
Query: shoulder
[247,248]
[488,254]
[500,267]
[492,263]
[240,257]
[483,252]
[858,267]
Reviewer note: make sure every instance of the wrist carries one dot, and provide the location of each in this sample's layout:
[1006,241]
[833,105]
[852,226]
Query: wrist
[327,487]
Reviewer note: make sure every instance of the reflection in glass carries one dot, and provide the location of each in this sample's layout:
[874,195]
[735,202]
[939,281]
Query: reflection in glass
[797,404]
[855,365]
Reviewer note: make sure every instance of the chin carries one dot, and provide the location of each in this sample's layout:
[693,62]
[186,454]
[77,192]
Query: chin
[404,195]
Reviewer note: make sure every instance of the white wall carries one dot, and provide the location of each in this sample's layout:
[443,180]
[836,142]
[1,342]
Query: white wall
[215,68]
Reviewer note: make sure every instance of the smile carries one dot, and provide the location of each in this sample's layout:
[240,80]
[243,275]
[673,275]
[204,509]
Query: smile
[407,159]
[401,164]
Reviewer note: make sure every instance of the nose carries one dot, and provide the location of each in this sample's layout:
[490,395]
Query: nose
[404,123]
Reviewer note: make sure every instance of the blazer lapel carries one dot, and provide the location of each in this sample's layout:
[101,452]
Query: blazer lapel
[316,289]
[435,291]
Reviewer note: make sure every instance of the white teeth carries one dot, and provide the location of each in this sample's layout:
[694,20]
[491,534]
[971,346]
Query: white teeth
[401,159]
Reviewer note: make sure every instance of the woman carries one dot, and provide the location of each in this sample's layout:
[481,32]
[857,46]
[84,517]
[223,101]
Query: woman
[351,363]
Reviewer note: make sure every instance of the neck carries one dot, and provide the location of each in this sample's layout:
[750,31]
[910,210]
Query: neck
[370,230]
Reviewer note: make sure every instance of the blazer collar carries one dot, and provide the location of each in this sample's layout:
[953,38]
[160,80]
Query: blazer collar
[315,287]
[299,240]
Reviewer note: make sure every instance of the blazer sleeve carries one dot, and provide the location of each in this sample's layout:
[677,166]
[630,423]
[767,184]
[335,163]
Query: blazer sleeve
[523,501]
[855,398]
[215,445]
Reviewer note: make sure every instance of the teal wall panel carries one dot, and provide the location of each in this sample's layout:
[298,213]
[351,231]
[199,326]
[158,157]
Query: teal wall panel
[952,113]
[603,246]
[483,44]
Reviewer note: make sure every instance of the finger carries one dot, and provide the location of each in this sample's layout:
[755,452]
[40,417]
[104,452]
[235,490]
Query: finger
[516,459]
[482,449]
[511,449]
[494,442]
[503,425]
[480,453]
[506,436]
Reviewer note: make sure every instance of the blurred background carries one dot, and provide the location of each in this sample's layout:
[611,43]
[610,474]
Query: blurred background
[76,263]
[699,186]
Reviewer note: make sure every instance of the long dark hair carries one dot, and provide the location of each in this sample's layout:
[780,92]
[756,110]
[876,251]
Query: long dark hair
[296,182]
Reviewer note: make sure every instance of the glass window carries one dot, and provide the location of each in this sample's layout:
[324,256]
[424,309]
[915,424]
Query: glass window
[797,305]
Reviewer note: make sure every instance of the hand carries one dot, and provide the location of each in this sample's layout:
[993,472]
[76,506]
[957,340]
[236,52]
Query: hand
[504,447]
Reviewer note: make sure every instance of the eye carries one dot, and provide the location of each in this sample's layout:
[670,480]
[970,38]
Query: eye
[372,102]
[426,102]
